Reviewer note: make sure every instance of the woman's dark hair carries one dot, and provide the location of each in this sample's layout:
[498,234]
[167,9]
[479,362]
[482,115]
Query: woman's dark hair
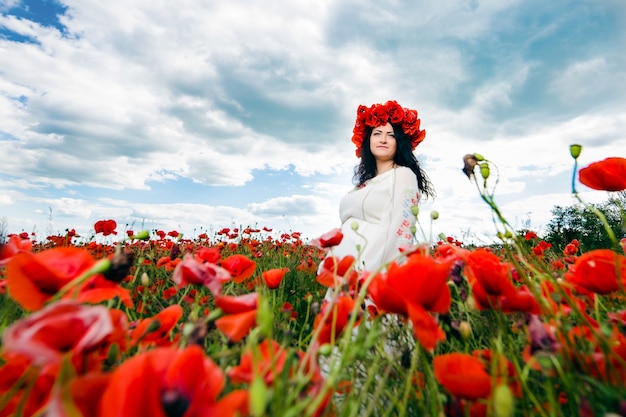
[404,157]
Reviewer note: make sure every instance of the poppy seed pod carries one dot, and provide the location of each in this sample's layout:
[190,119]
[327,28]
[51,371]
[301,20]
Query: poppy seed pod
[575,150]
[484,170]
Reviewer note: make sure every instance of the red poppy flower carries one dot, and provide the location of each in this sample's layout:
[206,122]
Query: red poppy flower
[157,328]
[274,277]
[15,245]
[530,235]
[288,311]
[333,271]
[502,369]
[421,280]
[60,328]
[119,335]
[190,271]
[489,278]
[425,327]
[267,361]
[237,304]
[240,267]
[523,301]
[164,381]
[332,323]
[413,289]
[570,249]
[237,326]
[608,175]
[329,239]
[34,278]
[462,375]
[211,255]
[600,271]
[13,370]
[106,227]
[84,392]
[98,289]
[541,248]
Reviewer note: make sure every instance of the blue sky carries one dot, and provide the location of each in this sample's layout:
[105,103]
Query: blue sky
[195,116]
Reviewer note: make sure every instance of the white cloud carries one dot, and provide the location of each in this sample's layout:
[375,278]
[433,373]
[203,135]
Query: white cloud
[583,79]
[133,94]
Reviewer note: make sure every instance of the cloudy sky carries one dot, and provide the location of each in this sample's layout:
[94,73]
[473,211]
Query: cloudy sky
[198,115]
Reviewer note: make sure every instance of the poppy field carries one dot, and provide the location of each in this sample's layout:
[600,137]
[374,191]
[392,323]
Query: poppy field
[248,322]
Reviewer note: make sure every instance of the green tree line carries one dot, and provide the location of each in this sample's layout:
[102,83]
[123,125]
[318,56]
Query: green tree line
[582,223]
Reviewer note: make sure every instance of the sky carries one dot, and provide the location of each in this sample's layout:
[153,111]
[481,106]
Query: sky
[194,116]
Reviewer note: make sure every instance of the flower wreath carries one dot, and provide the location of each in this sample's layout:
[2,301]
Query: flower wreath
[380,114]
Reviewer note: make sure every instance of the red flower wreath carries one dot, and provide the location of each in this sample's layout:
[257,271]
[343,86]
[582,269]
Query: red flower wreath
[380,114]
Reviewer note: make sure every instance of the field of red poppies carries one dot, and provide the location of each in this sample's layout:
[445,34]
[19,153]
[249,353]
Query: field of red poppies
[153,323]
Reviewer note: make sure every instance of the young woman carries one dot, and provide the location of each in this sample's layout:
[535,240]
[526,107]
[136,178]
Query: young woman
[376,215]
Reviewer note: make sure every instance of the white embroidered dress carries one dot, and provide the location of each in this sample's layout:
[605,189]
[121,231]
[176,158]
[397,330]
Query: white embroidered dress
[382,211]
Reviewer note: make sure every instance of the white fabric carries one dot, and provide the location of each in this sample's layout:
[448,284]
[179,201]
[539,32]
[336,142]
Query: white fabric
[382,211]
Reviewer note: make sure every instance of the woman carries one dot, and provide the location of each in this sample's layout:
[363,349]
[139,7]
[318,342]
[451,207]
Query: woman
[376,215]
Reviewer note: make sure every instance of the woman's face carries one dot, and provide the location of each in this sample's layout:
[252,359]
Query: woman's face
[383,143]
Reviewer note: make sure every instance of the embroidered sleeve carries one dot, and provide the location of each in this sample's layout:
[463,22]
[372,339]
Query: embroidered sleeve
[405,195]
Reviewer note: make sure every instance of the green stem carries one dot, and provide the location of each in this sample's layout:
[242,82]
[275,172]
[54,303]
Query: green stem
[574,176]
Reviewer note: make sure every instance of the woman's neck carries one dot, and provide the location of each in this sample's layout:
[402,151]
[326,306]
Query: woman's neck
[384,166]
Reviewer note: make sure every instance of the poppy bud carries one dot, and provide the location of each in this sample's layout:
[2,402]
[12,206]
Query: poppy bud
[465,329]
[145,279]
[143,235]
[325,349]
[471,303]
[575,150]
[187,329]
[354,225]
[413,229]
[479,157]
[503,401]
[415,210]
[484,170]
[434,214]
